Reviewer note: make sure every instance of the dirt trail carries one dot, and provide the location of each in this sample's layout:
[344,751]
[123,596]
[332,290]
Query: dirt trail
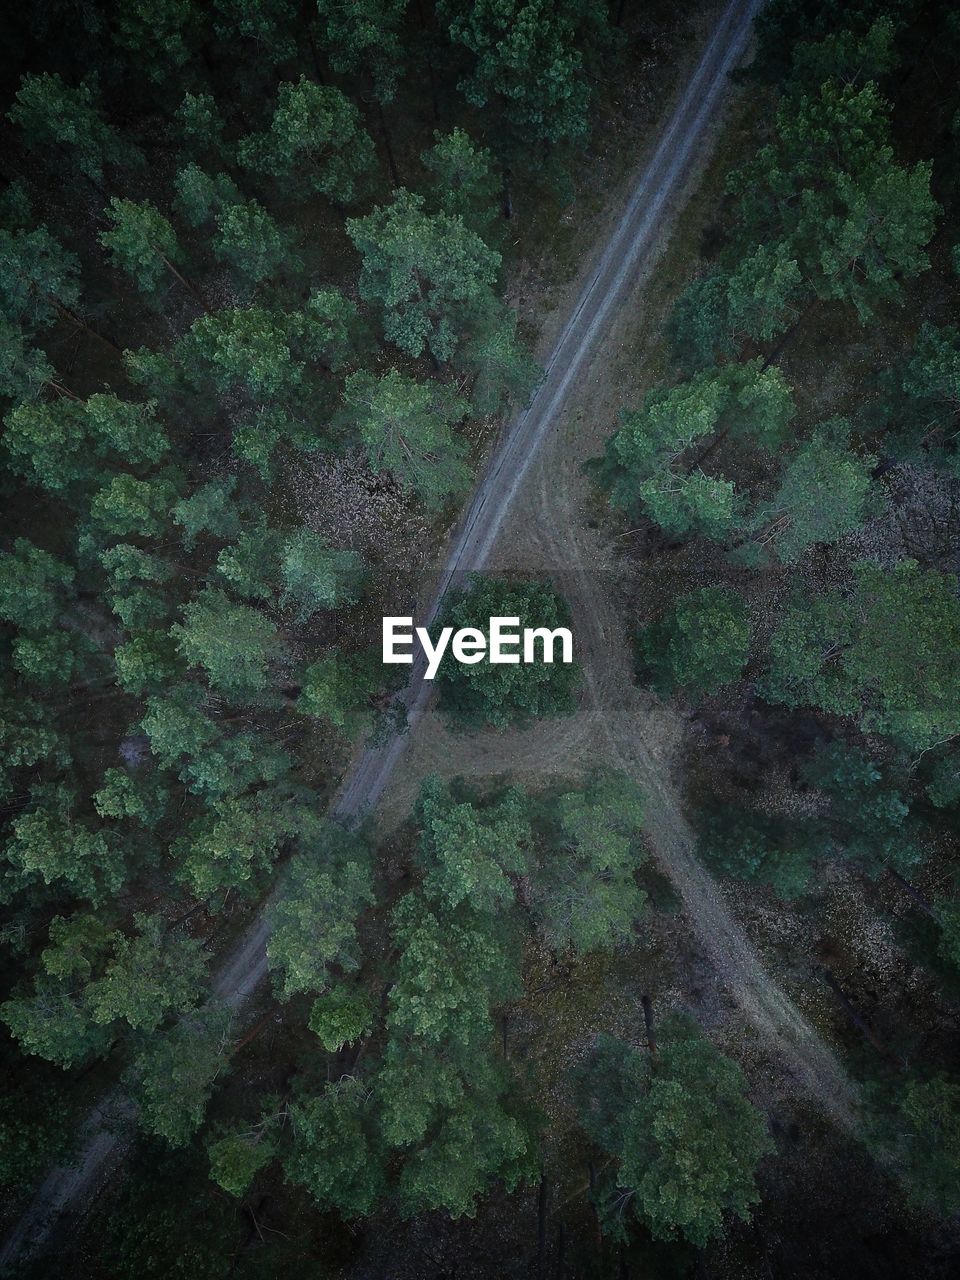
[610,726]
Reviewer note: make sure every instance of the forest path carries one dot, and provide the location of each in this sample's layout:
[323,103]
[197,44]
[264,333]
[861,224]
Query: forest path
[617,714]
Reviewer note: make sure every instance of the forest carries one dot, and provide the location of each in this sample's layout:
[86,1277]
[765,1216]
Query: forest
[640,967]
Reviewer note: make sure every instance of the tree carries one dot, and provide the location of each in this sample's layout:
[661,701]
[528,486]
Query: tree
[463,182]
[251,244]
[870,817]
[585,890]
[127,506]
[315,142]
[443,1097]
[649,464]
[314,919]
[432,277]
[469,853]
[157,35]
[315,576]
[59,444]
[68,122]
[686,1138]
[173,1074]
[405,427]
[337,688]
[39,278]
[231,845]
[237,1158]
[503,694]
[829,190]
[719,313]
[232,642]
[336,1154]
[530,58]
[702,644]
[265,22]
[886,652]
[149,976]
[825,491]
[50,844]
[453,965]
[917,1122]
[363,36]
[920,398]
[142,243]
[35,587]
[759,848]
[342,1016]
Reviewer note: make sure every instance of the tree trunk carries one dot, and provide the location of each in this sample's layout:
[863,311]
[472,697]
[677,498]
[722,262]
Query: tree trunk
[67,314]
[542,1198]
[594,1211]
[621,5]
[648,1023]
[561,1250]
[920,899]
[860,1022]
[791,333]
[388,145]
[507,196]
[190,288]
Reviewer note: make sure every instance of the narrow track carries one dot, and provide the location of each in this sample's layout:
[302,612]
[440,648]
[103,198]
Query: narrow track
[66,1191]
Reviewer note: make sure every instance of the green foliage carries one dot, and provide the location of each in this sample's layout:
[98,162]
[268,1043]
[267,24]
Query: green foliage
[150,975]
[828,191]
[315,143]
[237,1158]
[336,1154]
[651,459]
[173,1075]
[885,652]
[917,1122]
[453,965]
[921,397]
[463,182]
[251,244]
[38,277]
[468,853]
[759,848]
[157,34]
[504,694]
[430,275]
[405,427]
[233,643]
[314,576]
[267,23]
[92,978]
[585,891]
[129,507]
[341,1017]
[314,918]
[870,816]
[364,36]
[718,314]
[34,586]
[337,688]
[51,844]
[701,645]
[59,443]
[66,124]
[140,241]
[825,492]
[530,59]
[686,1138]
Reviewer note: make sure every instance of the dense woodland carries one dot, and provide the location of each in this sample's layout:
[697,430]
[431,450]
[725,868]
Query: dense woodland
[255,341]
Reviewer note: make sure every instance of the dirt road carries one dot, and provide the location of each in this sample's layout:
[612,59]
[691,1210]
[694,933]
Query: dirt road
[681,145]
